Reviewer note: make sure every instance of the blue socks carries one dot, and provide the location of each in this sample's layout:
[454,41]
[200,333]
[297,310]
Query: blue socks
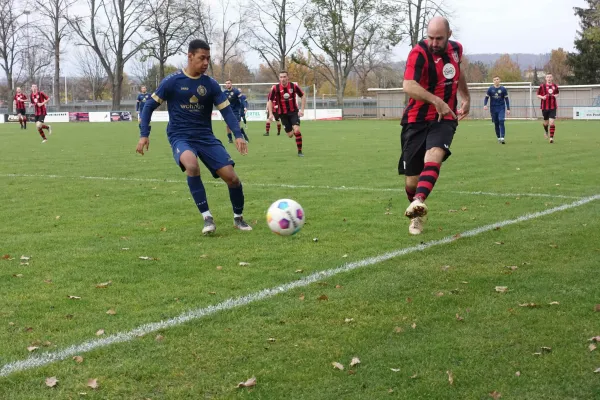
[502,129]
[198,193]
[497,128]
[236,195]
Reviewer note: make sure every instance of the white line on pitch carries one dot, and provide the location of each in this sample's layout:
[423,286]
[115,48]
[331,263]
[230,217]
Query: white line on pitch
[50,357]
[283,185]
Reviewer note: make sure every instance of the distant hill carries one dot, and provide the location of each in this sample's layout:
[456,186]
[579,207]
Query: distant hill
[524,60]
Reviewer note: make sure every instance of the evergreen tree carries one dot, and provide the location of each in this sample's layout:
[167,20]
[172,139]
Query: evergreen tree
[585,61]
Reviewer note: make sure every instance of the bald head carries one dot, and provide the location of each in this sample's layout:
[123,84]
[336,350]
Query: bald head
[438,34]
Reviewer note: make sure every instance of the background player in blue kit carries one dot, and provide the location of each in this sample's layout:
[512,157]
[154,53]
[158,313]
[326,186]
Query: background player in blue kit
[499,107]
[235,99]
[142,98]
[190,96]
[244,109]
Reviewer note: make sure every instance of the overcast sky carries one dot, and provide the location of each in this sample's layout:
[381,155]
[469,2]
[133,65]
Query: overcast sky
[504,26]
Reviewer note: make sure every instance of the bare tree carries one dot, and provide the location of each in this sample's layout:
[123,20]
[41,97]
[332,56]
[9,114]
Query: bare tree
[141,67]
[112,31]
[343,30]
[203,16]
[375,57]
[418,13]
[269,32]
[36,60]
[11,29]
[92,72]
[227,37]
[57,31]
[168,22]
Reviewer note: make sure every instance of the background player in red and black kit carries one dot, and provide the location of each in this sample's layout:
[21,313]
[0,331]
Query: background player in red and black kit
[547,93]
[39,100]
[432,80]
[275,115]
[19,100]
[284,95]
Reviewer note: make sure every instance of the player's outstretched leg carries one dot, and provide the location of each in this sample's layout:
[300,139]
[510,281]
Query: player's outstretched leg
[267,128]
[189,162]
[427,180]
[39,127]
[236,195]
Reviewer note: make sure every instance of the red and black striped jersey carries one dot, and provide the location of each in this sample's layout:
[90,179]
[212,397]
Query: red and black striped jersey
[37,98]
[438,74]
[285,97]
[549,91]
[20,99]
[275,105]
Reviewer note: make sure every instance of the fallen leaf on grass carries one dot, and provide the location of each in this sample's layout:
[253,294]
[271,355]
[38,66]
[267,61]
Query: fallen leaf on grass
[32,348]
[301,297]
[57,217]
[111,312]
[595,339]
[74,297]
[592,347]
[299,271]
[51,382]
[395,369]
[457,236]
[414,326]
[323,297]
[450,377]
[597,370]
[249,383]
[439,294]
[554,303]
[338,286]
[204,256]
[398,329]
[212,293]
[409,300]
[445,268]
[464,208]
[25,258]
[244,264]
[499,243]
[24,263]
[48,281]
[271,340]
[554,246]
[104,285]
[459,318]
[597,308]
[100,332]
[69,316]
[518,373]
[495,395]
[512,267]
[452,211]
[47,343]
[337,365]
[28,329]
[159,338]
[414,376]
[219,267]
[497,228]
[354,362]
[345,256]
[530,305]
[546,349]
[148,258]
[348,320]
[163,229]
[93,383]
[18,275]
[78,359]
[501,289]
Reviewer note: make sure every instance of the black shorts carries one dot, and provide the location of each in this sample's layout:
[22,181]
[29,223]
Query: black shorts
[290,119]
[40,118]
[21,111]
[276,116]
[549,114]
[419,137]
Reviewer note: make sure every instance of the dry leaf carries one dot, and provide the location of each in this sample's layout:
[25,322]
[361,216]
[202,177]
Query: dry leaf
[597,370]
[530,305]
[323,297]
[450,377]
[592,347]
[78,359]
[537,354]
[93,383]
[457,236]
[351,372]
[6,257]
[244,264]
[212,293]
[337,365]
[413,376]
[554,246]
[398,329]
[74,297]
[163,229]
[463,208]
[69,316]
[301,296]
[345,256]
[597,308]
[11,323]
[495,395]
[204,256]
[595,339]
[299,271]
[32,348]
[338,286]
[111,312]
[271,340]
[439,294]
[501,289]
[25,258]
[348,320]
[148,258]
[414,325]
[48,281]
[546,349]
[499,243]
[219,267]
[452,211]
[409,300]
[104,285]
[100,332]
[159,338]
[459,318]
[512,267]
[554,303]
[124,248]
[24,263]
[57,217]
[249,383]
[354,362]
[445,268]
[518,373]
[395,369]
[47,343]
[18,275]
[51,382]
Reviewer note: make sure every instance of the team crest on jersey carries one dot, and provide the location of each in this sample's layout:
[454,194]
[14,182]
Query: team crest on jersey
[550,91]
[291,91]
[193,100]
[455,56]
[449,71]
[499,91]
[201,90]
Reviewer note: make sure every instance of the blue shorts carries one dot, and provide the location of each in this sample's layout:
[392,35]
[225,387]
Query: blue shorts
[210,151]
[498,115]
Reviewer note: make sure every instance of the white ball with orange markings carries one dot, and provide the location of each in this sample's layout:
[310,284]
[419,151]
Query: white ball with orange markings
[285,217]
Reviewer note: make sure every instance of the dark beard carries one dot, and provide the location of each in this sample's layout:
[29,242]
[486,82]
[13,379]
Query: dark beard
[438,52]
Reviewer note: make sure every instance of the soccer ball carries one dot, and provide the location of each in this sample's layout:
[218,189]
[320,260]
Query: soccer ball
[285,217]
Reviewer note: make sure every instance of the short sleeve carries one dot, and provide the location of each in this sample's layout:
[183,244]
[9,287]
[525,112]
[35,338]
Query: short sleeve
[298,91]
[162,92]
[539,92]
[556,89]
[219,97]
[414,65]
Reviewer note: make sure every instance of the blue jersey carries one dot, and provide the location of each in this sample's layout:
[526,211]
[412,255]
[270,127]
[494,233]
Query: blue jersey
[244,101]
[141,100]
[499,98]
[189,103]
[235,99]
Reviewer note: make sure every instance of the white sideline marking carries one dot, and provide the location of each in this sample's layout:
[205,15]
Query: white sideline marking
[50,357]
[340,188]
